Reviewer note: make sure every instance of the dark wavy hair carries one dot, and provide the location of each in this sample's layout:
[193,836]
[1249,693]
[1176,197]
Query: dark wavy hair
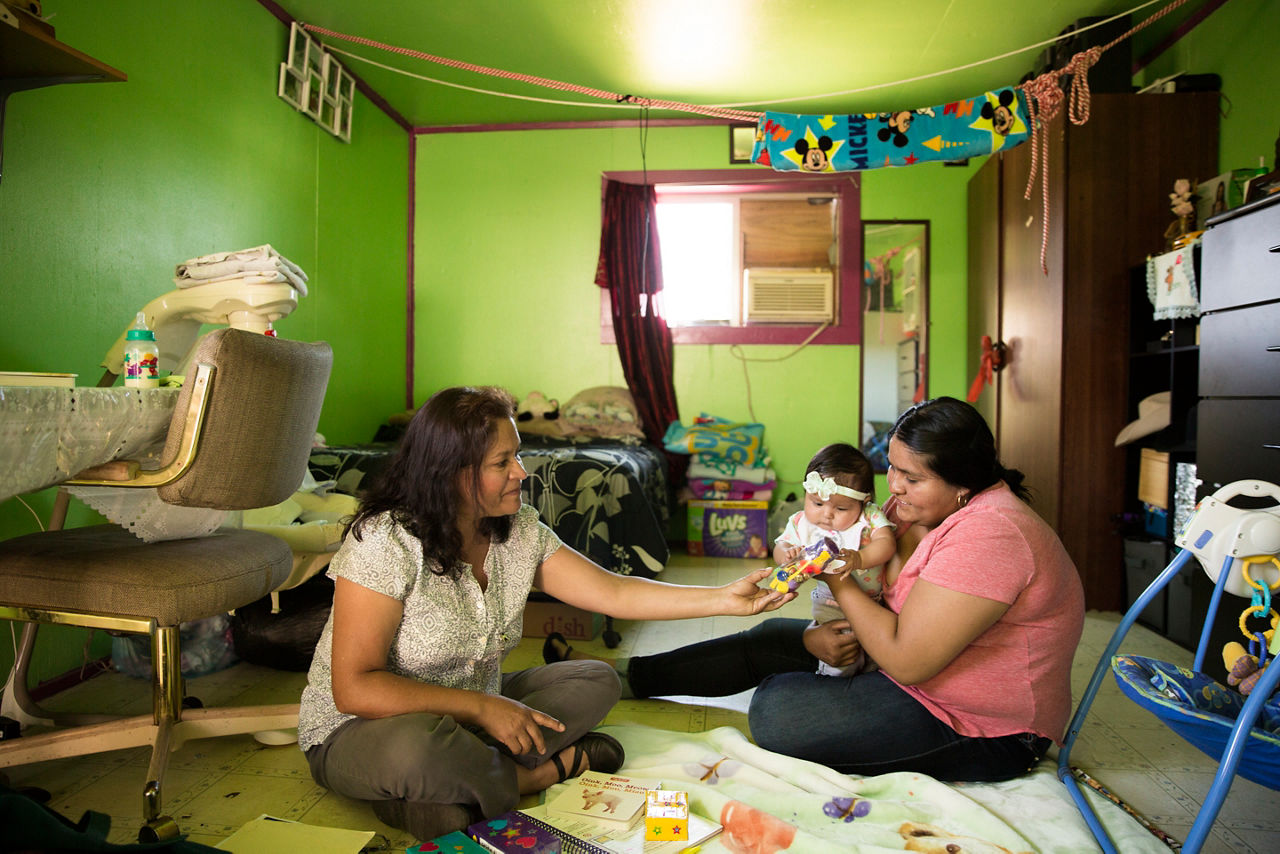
[446,440]
[847,466]
[956,444]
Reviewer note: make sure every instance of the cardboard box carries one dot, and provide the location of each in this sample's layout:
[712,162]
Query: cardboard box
[729,528]
[666,816]
[1153,478]
[544,615]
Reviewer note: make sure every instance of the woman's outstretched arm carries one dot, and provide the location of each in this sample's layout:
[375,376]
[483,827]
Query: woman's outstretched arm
[574,579]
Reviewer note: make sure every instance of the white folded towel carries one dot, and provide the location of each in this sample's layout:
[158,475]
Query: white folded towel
[261,261]
[249,278]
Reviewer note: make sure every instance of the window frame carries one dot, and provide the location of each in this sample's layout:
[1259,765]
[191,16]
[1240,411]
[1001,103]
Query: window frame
[847,328]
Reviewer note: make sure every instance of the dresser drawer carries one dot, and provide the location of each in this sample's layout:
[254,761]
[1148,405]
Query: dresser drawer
[1240,352]
[1237,440]
[908,355]
[1240,259]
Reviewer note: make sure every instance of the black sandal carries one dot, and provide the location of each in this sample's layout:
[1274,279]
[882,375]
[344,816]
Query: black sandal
[604,753]
[549,654]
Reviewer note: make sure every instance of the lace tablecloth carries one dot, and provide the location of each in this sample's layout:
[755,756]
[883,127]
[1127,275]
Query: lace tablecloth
[49,434]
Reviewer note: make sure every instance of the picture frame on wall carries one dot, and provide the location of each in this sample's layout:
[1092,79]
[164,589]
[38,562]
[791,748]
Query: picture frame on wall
[742,138]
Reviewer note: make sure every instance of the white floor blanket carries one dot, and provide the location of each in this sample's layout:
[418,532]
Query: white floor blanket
[770,803]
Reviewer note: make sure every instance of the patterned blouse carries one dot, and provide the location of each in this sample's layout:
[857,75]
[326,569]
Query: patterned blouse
[452,633]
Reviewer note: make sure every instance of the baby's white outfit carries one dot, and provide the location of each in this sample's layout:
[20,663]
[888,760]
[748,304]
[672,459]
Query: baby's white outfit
[801,532]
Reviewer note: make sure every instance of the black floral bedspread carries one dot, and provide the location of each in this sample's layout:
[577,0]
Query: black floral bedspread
[607,498]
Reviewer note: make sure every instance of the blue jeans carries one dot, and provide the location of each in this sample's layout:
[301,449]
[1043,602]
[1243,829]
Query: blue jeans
[865,724]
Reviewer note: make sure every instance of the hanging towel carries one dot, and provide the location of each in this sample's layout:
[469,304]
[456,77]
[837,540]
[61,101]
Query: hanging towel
[1171,285]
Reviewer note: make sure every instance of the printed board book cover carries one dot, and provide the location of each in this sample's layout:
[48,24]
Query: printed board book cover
[515,832]
[609,799]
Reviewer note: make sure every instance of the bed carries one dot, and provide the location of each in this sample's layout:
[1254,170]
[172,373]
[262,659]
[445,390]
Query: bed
[607,498]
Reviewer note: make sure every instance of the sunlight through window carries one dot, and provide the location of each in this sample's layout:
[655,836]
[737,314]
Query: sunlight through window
[698,241]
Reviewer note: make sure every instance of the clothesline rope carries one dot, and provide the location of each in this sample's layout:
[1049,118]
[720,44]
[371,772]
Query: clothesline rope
[729,111]
[653,103]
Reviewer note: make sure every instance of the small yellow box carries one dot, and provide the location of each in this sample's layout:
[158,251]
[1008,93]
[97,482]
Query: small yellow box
[1153,478]
[666,816]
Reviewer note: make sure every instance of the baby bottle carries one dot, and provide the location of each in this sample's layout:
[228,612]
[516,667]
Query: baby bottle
[141,356]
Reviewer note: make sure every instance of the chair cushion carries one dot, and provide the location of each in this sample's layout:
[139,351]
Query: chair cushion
[107,570]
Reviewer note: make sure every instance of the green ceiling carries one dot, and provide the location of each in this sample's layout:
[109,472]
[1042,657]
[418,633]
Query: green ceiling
[760,53]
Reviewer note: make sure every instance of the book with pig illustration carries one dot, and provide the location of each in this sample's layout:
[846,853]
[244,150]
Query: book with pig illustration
[609,799]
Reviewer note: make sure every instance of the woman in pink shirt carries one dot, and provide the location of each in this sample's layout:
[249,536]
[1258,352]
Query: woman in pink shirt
[974,639]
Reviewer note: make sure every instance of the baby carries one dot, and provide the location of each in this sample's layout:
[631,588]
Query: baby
[839,487]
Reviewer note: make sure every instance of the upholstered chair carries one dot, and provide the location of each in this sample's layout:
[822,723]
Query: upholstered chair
[240,438]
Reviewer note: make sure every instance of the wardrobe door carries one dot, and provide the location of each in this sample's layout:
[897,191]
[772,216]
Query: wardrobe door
[1030,412]
[984,279]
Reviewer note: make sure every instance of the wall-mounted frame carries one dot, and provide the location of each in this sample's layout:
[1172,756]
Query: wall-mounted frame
[895,322]
[313,82]
[742,138]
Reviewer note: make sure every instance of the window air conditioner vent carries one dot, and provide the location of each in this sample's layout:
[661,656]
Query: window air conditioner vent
[788,295]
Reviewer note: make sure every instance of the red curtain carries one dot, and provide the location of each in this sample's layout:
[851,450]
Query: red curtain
[630,269]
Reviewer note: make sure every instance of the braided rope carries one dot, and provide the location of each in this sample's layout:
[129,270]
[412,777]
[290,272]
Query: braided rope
[1044,102]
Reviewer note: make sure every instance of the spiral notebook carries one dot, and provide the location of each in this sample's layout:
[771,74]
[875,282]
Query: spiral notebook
[581,836]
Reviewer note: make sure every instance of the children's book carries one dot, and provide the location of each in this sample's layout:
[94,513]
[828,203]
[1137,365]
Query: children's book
[451,843]
[515,832]
[607,799]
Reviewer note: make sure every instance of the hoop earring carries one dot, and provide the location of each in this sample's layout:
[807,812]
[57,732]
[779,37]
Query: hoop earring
[962,500]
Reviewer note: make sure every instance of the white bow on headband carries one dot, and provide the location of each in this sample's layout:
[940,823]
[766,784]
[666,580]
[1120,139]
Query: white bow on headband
[825,487]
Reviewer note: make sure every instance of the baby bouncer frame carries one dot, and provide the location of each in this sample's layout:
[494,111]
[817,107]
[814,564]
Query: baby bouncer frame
[1238,549]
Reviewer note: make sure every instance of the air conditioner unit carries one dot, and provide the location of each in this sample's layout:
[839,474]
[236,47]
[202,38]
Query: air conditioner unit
[789,295]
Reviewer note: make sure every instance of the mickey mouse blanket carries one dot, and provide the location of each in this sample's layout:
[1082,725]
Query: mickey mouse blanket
[971,127]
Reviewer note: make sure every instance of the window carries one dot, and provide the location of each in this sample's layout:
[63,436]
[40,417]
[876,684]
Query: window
[732,259]
[755,263]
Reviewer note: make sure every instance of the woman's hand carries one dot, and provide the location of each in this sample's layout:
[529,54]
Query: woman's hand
[517,726]
[745,597]
[833,643]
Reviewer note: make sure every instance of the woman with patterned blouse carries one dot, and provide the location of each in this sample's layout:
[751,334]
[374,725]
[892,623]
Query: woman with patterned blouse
[406,704]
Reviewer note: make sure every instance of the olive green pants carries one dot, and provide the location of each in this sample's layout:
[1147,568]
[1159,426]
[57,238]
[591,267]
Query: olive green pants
[430,758]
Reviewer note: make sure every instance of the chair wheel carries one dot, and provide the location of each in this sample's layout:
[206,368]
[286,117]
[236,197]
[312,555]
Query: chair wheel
[162,828]
[192,703]
[612,638]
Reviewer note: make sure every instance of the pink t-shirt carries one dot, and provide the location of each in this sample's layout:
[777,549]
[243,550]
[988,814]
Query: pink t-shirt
[1016,676]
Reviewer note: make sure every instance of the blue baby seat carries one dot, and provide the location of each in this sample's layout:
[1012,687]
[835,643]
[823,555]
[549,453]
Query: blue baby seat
[1242,733]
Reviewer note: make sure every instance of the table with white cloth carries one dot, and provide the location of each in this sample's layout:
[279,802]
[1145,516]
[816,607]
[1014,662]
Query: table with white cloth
[49,434]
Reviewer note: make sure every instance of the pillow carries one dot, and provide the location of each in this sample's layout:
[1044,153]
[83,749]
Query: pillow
[606,410]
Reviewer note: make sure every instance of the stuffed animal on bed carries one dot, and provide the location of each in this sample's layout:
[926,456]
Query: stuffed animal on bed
[539,416]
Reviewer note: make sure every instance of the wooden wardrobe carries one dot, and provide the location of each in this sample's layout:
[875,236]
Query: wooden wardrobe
[1060,400]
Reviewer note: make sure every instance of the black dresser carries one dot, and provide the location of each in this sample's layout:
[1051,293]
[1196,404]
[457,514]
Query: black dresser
[1238,415]
[1238,421]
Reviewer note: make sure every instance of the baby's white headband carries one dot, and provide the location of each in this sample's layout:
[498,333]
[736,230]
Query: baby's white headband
[825,487]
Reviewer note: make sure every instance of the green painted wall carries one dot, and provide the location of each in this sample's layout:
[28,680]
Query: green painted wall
[505,261]
[107,187]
